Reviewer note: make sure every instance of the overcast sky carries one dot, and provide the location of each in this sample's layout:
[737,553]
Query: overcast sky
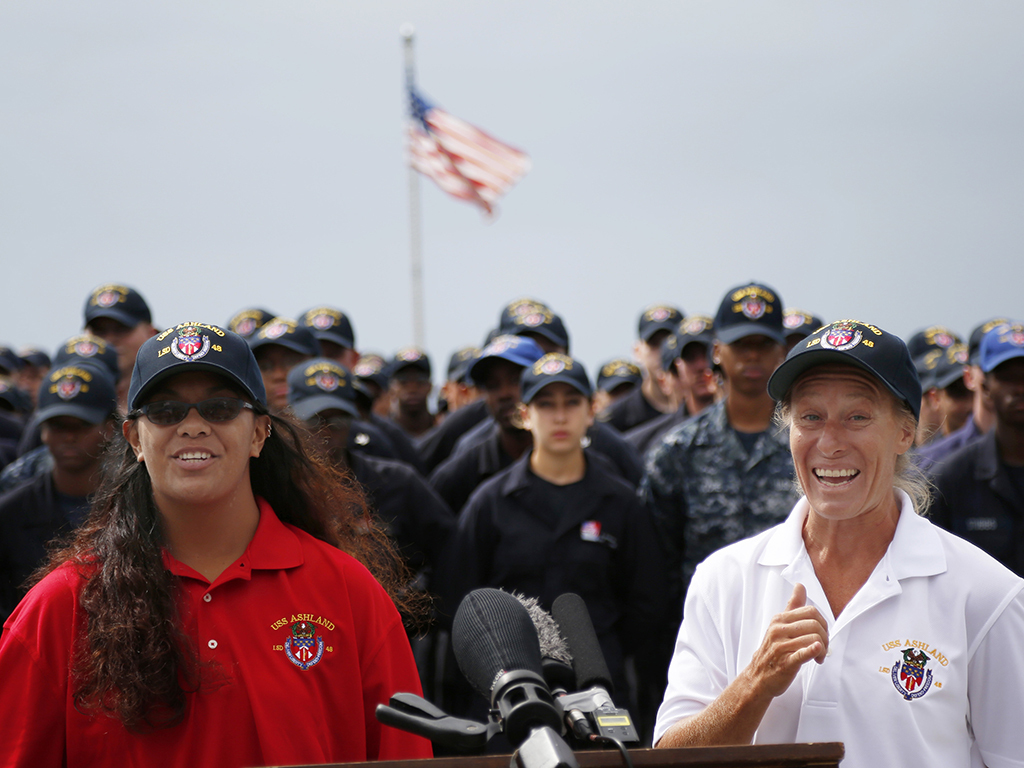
[864,158]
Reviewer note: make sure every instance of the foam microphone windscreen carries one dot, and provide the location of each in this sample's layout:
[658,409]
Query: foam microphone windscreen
[492,634]
[573,619]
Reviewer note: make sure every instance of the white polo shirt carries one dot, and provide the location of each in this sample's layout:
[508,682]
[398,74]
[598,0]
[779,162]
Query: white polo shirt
[925,664]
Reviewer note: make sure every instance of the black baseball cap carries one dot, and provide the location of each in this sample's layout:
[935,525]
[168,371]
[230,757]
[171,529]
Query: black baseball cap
[408,357]
[81,389]
[551,368]
[882,354]
[749,310]
[247,321]
[196,346]
[330,324]
[617,372]
[796,322]
[930,338]
[658,317]
[320,385]
[87,347]
[118,302]
[288,334]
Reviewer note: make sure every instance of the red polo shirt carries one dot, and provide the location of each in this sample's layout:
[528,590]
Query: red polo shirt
[305,643]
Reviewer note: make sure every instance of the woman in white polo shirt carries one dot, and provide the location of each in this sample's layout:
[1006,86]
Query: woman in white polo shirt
[856,620]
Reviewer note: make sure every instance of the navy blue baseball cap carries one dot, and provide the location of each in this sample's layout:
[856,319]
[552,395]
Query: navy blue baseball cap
[925,364]
[551,368]
[617,372]
[288,334]
[796,322]
[750,310]
[87,347]
[371,368]
[85,390]
[247,321]
[519,350]
[409,357]
[118,302]
[695,329]
[882,354]
[526,316]
[950,368]
[15,398]
[196,347]
[330,324]
[35,356]
[9,360]
[1001,344]
[658,317]
[935,336]
[460,361]
[320,385]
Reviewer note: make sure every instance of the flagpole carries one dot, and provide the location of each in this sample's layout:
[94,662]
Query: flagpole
[415,250]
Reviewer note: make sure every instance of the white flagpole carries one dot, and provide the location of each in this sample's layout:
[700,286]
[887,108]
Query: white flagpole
[415,251]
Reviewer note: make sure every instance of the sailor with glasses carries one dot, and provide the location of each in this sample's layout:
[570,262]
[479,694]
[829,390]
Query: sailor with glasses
[228,601]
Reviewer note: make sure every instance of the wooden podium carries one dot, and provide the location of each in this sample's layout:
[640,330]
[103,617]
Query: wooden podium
[750,756]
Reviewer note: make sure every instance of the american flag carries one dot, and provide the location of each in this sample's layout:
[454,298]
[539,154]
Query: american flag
[463,160]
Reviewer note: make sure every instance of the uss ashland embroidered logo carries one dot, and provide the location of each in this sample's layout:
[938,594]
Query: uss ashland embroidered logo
[910,673]
[305,645]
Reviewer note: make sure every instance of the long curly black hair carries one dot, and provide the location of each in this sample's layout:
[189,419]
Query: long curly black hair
[133,661]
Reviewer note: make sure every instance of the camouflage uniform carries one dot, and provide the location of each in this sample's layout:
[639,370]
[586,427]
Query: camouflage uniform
[704,491]
[26,467]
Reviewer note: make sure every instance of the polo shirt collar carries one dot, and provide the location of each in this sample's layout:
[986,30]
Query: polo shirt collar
[274,546]
[915,549]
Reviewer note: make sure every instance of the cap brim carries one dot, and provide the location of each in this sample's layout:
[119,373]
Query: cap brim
[85,413]
[113,313]
[736,332]
[337,338]
[281,341]
[198,365]
[309,407]
[792,369]
[669,326]
[534,389]
[999,359]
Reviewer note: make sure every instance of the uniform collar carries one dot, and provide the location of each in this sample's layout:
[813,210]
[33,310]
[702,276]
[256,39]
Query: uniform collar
[274,546]
[915,549]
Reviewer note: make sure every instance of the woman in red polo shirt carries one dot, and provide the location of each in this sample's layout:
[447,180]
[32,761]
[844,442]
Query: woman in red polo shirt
[215,608]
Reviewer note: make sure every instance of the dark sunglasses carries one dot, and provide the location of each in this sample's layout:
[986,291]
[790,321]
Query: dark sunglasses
[216,410]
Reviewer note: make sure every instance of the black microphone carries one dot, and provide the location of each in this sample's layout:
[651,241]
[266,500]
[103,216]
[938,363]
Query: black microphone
[573,619]
[555,658]
[592,708]
[496,646]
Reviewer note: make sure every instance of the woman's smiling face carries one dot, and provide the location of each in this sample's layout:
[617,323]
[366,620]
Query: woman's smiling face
[197,462]
[845,436]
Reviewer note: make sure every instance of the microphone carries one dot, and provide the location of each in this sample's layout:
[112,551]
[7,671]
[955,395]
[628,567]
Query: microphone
[556,660]
[497,649]
[592,707]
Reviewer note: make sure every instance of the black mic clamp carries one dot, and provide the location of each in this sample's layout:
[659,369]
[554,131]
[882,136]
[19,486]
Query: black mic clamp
[593,713]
